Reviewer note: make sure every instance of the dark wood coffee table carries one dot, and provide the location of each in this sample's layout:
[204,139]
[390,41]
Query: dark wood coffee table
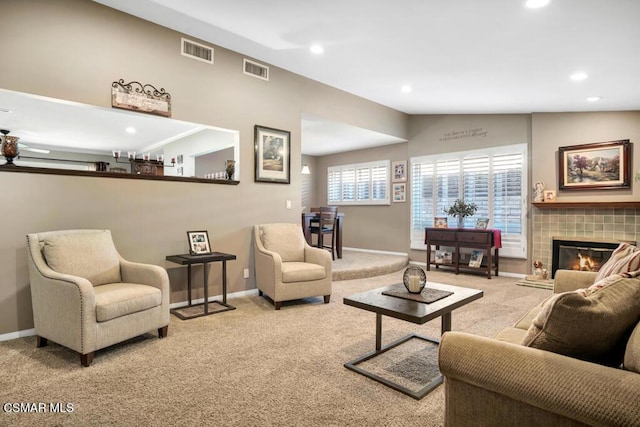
[411,311]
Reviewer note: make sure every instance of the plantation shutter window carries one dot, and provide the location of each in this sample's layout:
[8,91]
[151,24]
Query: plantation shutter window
[359,184]
[494,179]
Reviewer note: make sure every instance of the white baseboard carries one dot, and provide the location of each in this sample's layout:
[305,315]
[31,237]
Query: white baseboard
[373,251]
[32,332]
[17,334]
[214,298]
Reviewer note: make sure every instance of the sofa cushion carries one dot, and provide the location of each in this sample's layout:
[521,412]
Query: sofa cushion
[511,335]
[88,254]
[120,299]
[625,258]
[632,353]
[286,240]
[591,324]
[527,319]
[302,272]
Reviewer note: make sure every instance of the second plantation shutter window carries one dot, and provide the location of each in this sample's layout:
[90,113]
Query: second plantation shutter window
[359,184]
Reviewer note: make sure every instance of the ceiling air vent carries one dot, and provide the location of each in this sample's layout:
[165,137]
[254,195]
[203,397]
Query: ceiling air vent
[197,51]
[256,70]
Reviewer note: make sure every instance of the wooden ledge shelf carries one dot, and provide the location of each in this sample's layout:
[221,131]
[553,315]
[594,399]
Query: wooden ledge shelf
[72,172]
[578,205]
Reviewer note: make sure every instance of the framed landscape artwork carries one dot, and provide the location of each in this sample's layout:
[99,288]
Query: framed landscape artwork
[598,166]
[273,155]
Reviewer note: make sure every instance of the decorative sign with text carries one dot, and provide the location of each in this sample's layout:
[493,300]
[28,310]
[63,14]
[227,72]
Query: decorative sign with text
[138,97]
[461,134]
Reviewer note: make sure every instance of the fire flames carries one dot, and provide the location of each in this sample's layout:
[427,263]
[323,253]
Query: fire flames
[585,263]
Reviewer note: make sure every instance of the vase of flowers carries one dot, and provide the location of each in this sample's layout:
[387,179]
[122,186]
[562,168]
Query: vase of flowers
[461,210]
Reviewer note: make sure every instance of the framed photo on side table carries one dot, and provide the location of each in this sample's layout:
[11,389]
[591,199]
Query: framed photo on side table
[549,195]
[198,242]
[273,155]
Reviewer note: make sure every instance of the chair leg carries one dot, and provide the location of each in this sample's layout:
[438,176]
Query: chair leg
[86,359]
[277,304]
[327,298]
[41,342]
[162,332]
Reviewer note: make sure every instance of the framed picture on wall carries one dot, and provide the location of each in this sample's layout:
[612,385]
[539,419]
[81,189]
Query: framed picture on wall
[599,166]
[400,192]
[399,171]
[198,242]
[272,155]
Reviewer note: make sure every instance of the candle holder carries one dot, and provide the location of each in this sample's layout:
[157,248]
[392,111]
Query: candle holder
[414,279]
[9,147]
[146,157]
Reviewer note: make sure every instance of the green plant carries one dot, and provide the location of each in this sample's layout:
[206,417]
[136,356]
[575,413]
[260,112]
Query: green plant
[461,209]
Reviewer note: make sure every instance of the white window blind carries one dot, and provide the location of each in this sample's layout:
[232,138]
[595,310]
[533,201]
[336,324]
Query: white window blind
[494,179]
[362,183]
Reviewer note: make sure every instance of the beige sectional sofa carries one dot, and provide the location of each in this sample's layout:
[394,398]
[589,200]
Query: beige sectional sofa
[505,380]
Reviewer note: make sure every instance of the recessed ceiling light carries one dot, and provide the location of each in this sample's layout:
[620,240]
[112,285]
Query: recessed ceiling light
[130,129]
[534,4]
[406,89]
[316,49]
[594,98]
[579,76]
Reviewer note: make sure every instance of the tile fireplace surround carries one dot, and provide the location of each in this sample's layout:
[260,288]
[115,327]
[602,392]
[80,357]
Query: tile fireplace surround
[603,224]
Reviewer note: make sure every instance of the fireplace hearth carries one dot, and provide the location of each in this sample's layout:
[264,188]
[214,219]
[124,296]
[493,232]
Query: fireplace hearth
[573,253]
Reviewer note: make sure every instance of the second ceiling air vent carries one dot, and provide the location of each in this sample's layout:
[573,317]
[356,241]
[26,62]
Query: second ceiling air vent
[197,51]
[256,70]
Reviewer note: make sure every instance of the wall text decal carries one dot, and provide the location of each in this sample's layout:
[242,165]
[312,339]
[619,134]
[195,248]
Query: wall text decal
[467,133]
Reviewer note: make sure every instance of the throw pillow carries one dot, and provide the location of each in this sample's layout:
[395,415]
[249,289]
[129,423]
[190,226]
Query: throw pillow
[625,258]
[590,324]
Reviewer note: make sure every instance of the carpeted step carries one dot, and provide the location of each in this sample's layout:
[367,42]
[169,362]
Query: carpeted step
[358,265]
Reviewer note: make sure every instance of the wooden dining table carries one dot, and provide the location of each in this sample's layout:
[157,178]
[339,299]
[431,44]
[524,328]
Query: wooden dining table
[308,217]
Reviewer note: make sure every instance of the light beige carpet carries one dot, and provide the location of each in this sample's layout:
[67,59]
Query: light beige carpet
[252,366]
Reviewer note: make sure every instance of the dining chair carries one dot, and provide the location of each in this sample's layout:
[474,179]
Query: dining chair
[326,225]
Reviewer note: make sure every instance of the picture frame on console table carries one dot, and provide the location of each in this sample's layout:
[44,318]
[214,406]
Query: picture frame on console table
[198,242]
[272,155]
[440,222]
[599,166]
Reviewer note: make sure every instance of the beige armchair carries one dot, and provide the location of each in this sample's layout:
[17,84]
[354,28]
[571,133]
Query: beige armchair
[287,267]
[86,297]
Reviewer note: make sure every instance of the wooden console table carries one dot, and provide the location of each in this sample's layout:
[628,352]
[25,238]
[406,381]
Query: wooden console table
[456,238]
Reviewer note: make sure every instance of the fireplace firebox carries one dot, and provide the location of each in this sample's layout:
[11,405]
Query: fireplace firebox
[574,253]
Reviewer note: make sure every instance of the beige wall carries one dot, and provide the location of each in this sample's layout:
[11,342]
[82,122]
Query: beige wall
[450,133]
[384,227]
[84,47]
[553,130]
[75,49]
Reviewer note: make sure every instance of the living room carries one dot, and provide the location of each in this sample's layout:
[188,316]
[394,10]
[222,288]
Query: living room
[77,48]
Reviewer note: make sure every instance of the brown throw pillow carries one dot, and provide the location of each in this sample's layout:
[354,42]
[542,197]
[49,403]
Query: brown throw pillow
[591,324]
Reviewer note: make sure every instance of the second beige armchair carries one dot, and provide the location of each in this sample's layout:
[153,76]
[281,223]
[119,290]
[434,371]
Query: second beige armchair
[287,267]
